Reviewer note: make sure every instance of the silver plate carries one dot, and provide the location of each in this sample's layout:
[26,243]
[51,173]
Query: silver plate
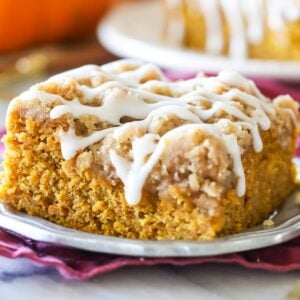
[286,227]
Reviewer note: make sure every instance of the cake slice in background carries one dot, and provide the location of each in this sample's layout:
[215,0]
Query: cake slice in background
[265,29]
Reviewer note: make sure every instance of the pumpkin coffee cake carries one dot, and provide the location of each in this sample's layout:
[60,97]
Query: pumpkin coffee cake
[120,150]
[264,29]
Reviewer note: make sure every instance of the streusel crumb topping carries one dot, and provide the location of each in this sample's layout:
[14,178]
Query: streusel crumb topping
[136,126]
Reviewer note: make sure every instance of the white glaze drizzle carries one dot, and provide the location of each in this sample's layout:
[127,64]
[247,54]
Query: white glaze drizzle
[247,21]
[213,22]
[110,71]
[125,96]
[232,11]
[253,11]
[174,29]
[72,143]
[280,12]
[135,174]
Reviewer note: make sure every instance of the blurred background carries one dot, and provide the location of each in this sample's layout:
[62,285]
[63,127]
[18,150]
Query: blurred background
[40,38]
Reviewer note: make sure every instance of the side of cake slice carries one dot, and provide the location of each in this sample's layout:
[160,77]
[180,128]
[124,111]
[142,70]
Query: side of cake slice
[120,150]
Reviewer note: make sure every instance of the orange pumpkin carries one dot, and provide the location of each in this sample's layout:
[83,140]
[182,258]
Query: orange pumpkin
[36,21]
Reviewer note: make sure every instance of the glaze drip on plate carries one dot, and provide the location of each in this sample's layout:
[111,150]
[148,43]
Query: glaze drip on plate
[125,94]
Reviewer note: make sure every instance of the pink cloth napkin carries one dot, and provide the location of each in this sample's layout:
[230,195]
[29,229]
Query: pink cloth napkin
[80,265]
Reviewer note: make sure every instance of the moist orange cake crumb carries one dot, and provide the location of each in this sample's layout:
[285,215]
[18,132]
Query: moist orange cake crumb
[120,150]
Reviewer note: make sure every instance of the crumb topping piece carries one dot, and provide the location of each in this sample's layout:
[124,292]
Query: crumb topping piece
[141,108]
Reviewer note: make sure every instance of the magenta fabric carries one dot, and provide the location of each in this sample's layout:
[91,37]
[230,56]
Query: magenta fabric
[81,265]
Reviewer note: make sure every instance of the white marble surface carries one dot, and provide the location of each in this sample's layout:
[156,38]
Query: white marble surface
[19,279]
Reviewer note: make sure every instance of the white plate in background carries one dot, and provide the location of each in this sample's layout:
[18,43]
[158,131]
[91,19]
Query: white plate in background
[135,30]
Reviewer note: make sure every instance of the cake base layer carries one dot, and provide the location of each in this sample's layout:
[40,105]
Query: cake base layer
[38,181]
